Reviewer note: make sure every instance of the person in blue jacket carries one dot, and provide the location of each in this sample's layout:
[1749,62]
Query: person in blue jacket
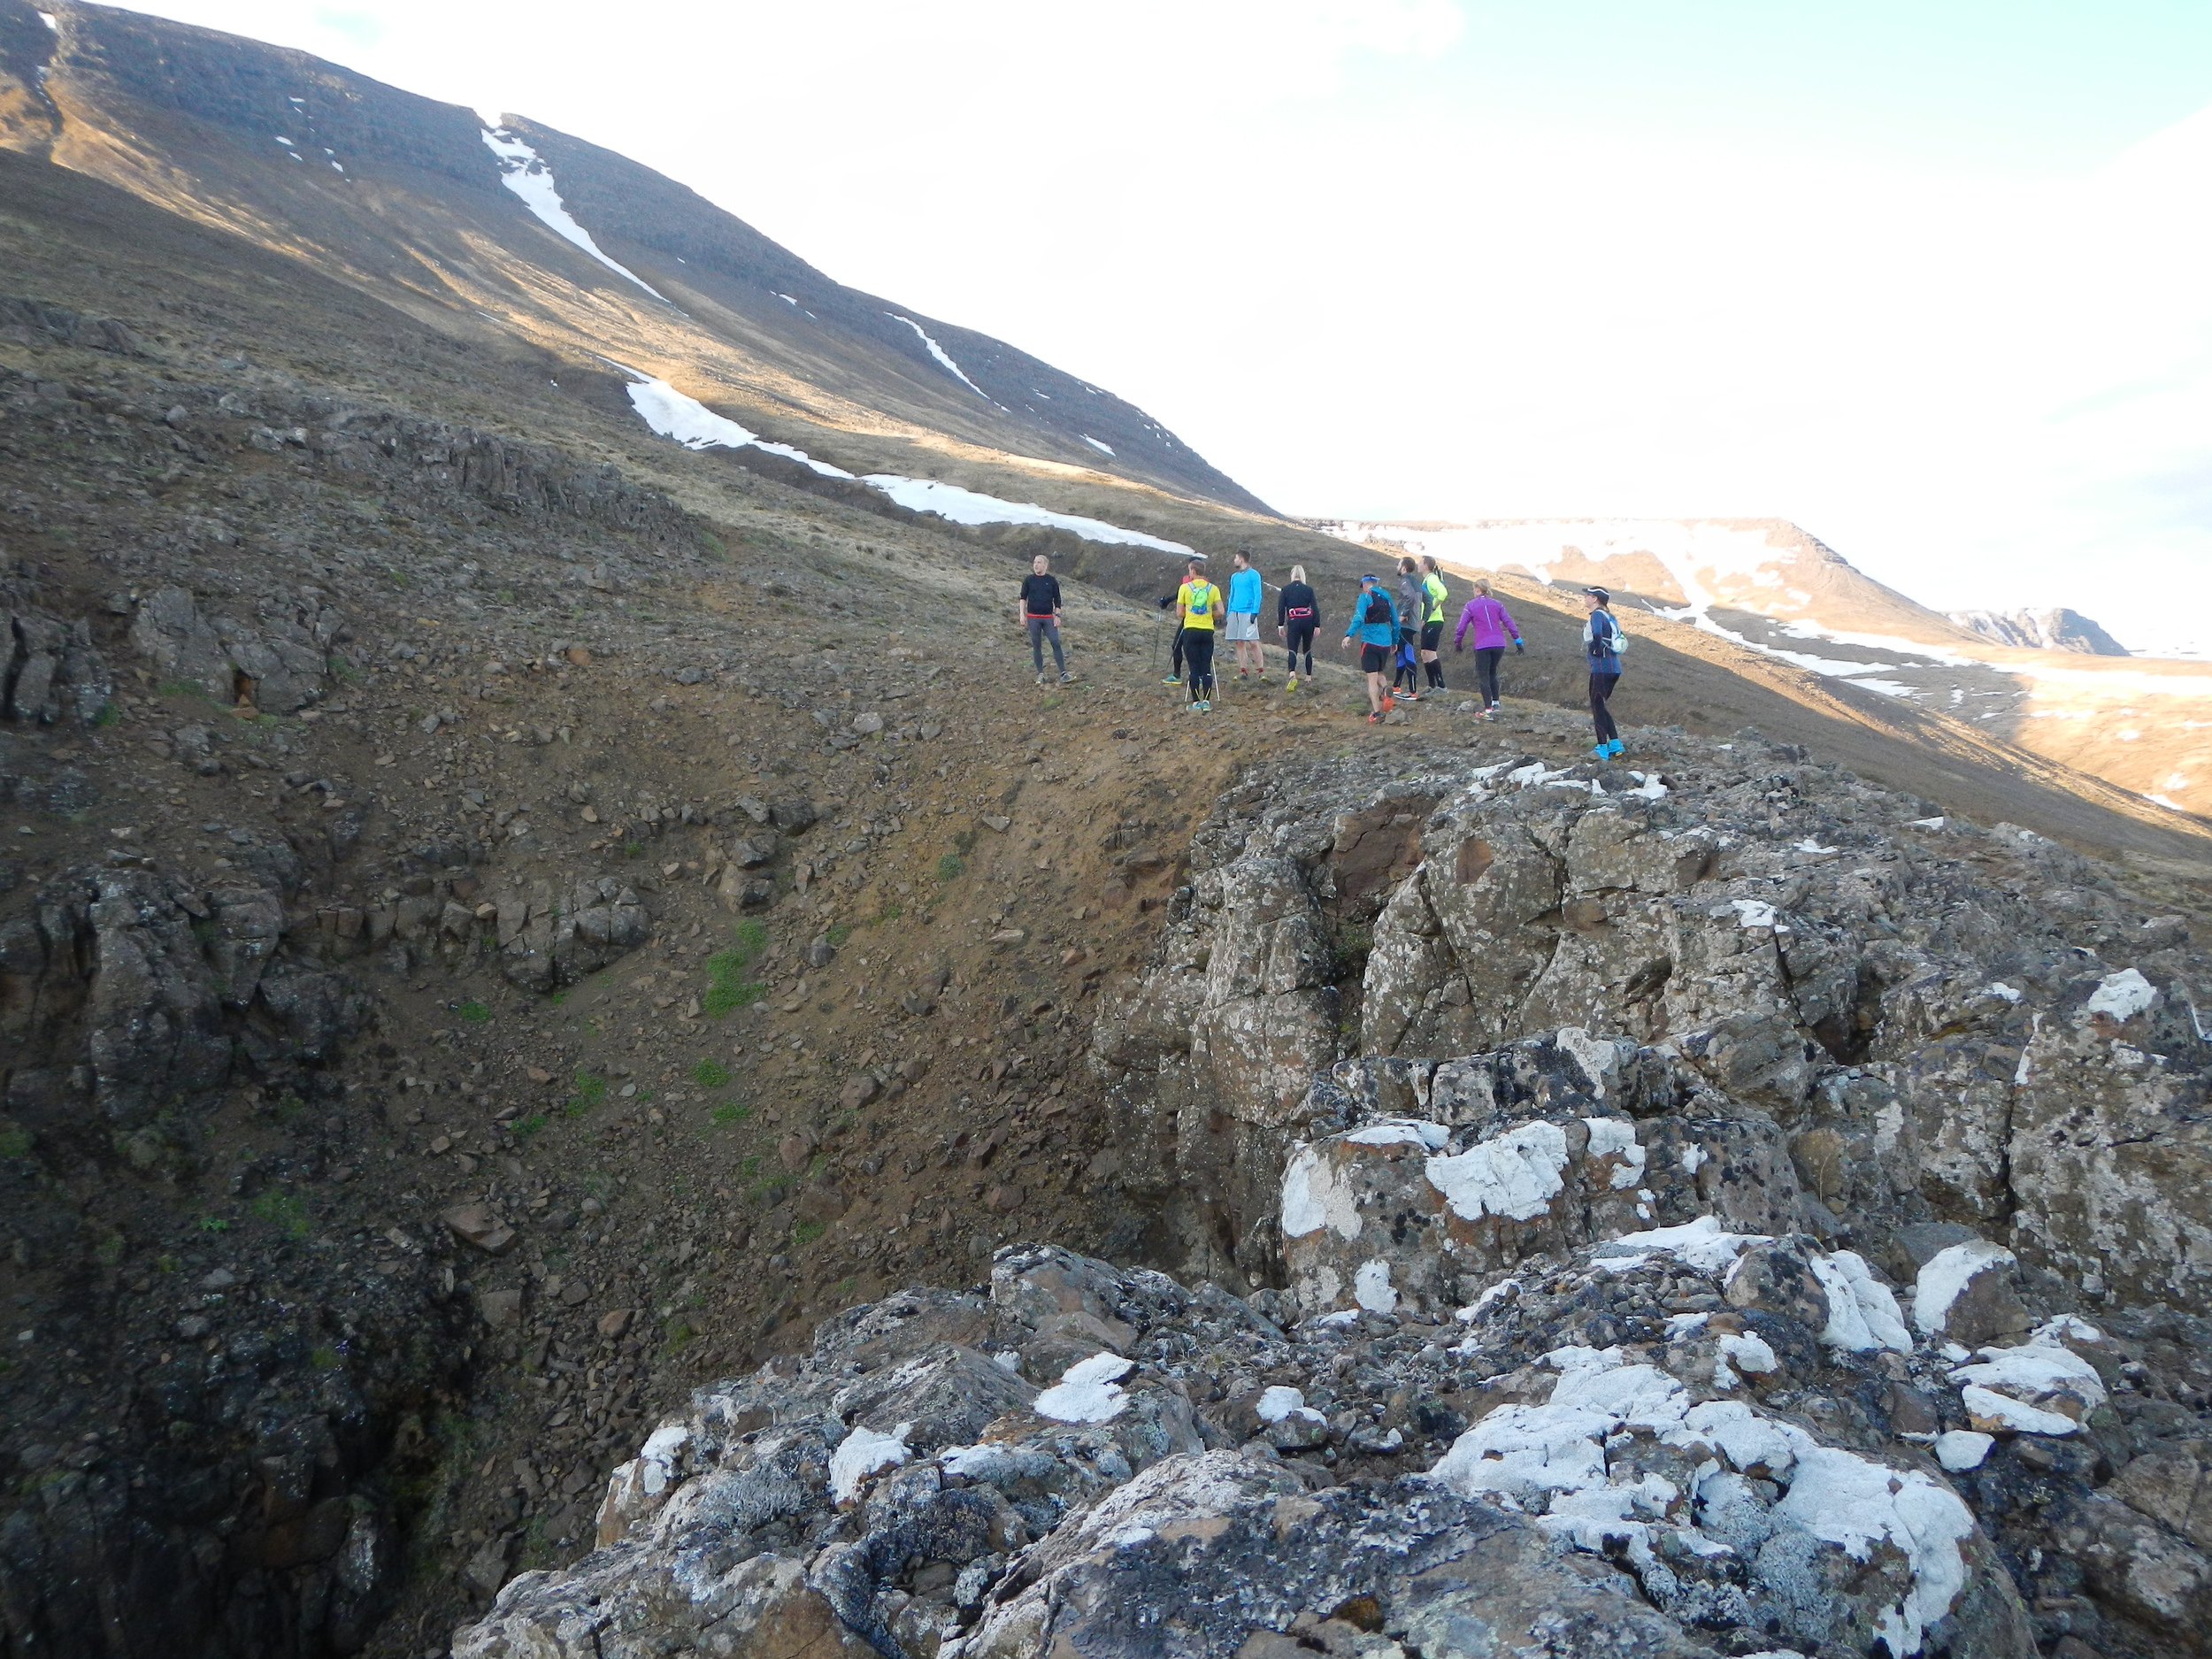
[1602,642]
[1374,624]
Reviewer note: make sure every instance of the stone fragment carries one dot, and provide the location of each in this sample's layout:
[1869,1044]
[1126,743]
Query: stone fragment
[475,1223]
[502,1309]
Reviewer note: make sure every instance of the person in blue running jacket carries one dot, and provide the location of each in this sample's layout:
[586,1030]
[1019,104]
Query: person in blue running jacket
[1374,624]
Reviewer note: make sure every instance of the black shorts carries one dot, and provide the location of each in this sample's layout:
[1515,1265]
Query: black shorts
[1432,634]
[1375,659]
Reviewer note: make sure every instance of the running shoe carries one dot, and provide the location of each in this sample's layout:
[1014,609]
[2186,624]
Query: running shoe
[1409,695]
[1291,684]
[1172,679]
[1067,679]
[1603,751]
[1374,719]
[1040,679]
[1618,747]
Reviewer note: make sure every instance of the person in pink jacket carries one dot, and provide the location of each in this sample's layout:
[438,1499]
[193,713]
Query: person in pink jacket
[1493,626]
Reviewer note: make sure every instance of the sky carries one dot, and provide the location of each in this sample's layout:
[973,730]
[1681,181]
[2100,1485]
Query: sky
[1930,278]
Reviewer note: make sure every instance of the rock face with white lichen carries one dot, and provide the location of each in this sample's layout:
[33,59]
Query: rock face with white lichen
[1927,1020]
[1508,1397]
[1718,1243]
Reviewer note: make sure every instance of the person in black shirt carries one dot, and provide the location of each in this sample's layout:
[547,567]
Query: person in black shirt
[1297,613]
[1041,614]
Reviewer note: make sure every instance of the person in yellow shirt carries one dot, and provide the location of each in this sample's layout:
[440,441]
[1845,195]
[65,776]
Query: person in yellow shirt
[1435,593]
[1198,605]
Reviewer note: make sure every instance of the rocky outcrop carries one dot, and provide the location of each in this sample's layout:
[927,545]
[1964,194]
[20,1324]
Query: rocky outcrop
[279,661]
[1560,1364]
[251,1436]
[35,322]
[53,672]
[548,937]
[137,994]
[1934,1022]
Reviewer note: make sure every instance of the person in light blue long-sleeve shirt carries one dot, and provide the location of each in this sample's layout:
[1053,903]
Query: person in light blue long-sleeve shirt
[1244,617]
[1374,624]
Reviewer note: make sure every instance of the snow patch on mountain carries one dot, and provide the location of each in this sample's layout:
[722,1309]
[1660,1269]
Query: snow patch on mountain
[524,171]
[966,506]
[692,424]
[943,357]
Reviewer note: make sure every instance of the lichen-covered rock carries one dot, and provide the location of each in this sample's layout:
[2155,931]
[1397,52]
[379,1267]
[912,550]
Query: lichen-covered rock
[1943,1024]
[1660,1434]
[1529,1150]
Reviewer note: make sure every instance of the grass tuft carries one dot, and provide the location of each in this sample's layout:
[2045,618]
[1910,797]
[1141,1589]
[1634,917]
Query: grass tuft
[282,1212]
[727,988]
[589,1089]
[710,1074]
[474,1012]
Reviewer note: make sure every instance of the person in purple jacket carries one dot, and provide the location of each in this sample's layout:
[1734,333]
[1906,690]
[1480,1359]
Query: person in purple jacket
[1493,626]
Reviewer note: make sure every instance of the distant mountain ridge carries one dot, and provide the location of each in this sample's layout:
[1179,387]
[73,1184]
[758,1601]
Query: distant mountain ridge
[2050,681]
[2055,628]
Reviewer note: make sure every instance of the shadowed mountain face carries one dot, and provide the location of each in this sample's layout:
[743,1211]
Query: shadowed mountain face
[403,196]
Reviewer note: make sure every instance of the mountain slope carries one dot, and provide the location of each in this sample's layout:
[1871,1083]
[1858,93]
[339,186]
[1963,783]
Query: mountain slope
[403,196]
[2141,723]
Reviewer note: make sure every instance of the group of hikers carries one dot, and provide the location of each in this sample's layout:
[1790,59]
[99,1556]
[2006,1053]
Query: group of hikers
[1399,637]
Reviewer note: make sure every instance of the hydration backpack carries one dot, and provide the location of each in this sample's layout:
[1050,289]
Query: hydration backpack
[1607,642]
[1377,610]
[1201,598]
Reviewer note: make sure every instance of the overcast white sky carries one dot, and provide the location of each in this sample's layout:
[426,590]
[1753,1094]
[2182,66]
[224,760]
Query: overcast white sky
[1931,278]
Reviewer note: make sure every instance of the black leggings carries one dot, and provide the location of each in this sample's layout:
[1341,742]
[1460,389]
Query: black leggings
[1600,716]
[1410,673]
[1298,636]
[1198,653]
[1487,660]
